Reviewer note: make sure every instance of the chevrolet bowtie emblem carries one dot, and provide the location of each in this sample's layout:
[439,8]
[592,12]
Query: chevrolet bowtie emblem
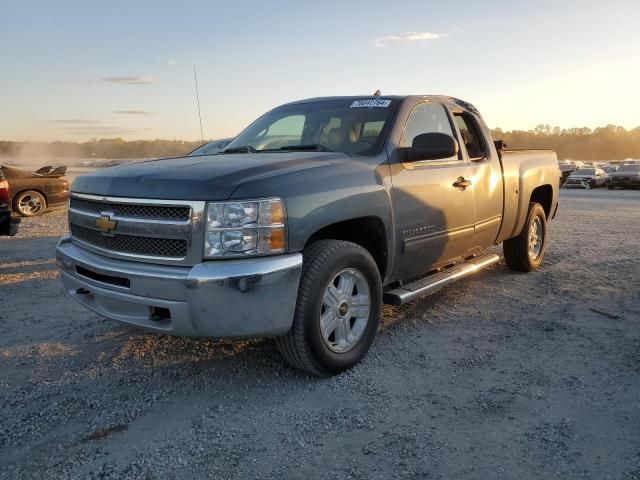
[105,224]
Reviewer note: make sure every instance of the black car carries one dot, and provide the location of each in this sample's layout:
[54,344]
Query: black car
[33,192]
[8,225]
[627,176]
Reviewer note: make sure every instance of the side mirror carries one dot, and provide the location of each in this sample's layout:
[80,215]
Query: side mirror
[430,146]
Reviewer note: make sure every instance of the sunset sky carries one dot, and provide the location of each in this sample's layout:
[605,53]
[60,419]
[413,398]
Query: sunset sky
[79,70]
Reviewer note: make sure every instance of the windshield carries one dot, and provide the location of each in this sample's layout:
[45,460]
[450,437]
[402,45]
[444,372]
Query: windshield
[585,171]
[210,148]
[346,125]
[629,168]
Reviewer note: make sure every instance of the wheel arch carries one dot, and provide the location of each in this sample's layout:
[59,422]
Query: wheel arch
[543,195]
[369,232]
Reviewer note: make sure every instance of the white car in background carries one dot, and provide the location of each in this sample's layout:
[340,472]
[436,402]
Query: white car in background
[587,177]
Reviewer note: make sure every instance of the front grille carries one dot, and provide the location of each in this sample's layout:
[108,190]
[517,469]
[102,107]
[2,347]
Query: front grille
[157,247]
[158,212]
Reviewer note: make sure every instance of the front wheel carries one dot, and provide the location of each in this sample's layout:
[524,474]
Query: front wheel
[337,310]
[30,203]
[526,251]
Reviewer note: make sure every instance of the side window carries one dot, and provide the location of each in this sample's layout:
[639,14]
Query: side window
[471,135]
[426,118]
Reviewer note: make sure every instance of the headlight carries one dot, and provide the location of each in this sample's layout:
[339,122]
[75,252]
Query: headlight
[250,228]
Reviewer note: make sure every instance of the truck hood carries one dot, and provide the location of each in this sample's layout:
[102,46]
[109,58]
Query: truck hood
[211,177]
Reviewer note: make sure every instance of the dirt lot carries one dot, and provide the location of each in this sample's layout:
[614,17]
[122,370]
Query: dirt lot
[503,375]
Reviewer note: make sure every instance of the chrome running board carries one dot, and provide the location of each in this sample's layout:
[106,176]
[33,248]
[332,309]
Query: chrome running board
[435,281]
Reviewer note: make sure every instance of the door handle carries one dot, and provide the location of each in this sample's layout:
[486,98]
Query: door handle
[462,183]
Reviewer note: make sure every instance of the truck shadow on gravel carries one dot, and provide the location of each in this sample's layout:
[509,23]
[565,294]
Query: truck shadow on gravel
[143,349]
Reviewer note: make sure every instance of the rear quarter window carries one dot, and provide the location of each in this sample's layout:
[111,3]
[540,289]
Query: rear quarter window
[471,135]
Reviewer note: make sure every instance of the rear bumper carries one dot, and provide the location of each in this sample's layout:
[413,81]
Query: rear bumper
[229,298]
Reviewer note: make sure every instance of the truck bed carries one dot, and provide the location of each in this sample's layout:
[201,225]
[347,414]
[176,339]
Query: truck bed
[523,171]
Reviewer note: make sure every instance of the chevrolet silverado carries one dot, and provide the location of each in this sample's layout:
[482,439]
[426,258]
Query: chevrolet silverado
[306,222]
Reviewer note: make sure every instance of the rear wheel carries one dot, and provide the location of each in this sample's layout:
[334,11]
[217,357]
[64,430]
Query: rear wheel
[526,251]
[337,310]
[30,203]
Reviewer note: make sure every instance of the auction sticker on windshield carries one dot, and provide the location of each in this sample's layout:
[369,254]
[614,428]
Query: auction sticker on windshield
[373,102]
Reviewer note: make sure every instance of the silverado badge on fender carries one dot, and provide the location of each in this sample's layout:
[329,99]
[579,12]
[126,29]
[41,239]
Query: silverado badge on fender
[105,224]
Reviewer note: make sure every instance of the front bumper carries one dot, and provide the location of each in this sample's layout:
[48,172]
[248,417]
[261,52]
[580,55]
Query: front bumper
[624,182]
[226,298]
[578,184]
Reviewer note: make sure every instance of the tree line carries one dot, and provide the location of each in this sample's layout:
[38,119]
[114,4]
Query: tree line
[605,143]
[111,148]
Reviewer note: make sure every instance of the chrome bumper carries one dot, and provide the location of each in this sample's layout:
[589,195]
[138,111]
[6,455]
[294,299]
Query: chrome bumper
[227,298]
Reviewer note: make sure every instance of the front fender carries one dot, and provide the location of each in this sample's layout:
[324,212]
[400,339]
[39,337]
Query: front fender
[317,198]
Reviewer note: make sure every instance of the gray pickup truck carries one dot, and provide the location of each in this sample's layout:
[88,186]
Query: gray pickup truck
[309,220]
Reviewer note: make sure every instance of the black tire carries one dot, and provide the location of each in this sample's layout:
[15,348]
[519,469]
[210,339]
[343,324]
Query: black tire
[610,187]
[22,201]
[303,346]
[516,250]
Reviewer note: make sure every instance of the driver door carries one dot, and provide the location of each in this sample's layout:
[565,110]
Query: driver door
[434,218]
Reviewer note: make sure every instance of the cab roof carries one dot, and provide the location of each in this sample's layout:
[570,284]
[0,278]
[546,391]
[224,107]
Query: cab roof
[451,101]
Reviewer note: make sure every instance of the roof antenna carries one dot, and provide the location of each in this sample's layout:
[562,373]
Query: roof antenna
[195,79]
[377,94]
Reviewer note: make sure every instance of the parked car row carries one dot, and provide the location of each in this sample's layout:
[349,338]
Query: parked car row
[599,175]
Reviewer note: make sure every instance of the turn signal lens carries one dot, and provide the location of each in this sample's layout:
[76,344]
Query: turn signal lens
[272,240]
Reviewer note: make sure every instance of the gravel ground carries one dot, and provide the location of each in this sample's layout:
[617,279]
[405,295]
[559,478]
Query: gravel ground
[502,375]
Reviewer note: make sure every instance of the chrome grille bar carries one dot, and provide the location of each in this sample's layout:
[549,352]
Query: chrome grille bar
[129,210]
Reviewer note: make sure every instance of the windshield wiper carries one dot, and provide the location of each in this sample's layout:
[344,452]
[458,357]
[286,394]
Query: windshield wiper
[245,149]
[314,147]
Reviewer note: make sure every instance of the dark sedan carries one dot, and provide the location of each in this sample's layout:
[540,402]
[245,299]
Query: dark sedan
[627,176]
[33,192]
